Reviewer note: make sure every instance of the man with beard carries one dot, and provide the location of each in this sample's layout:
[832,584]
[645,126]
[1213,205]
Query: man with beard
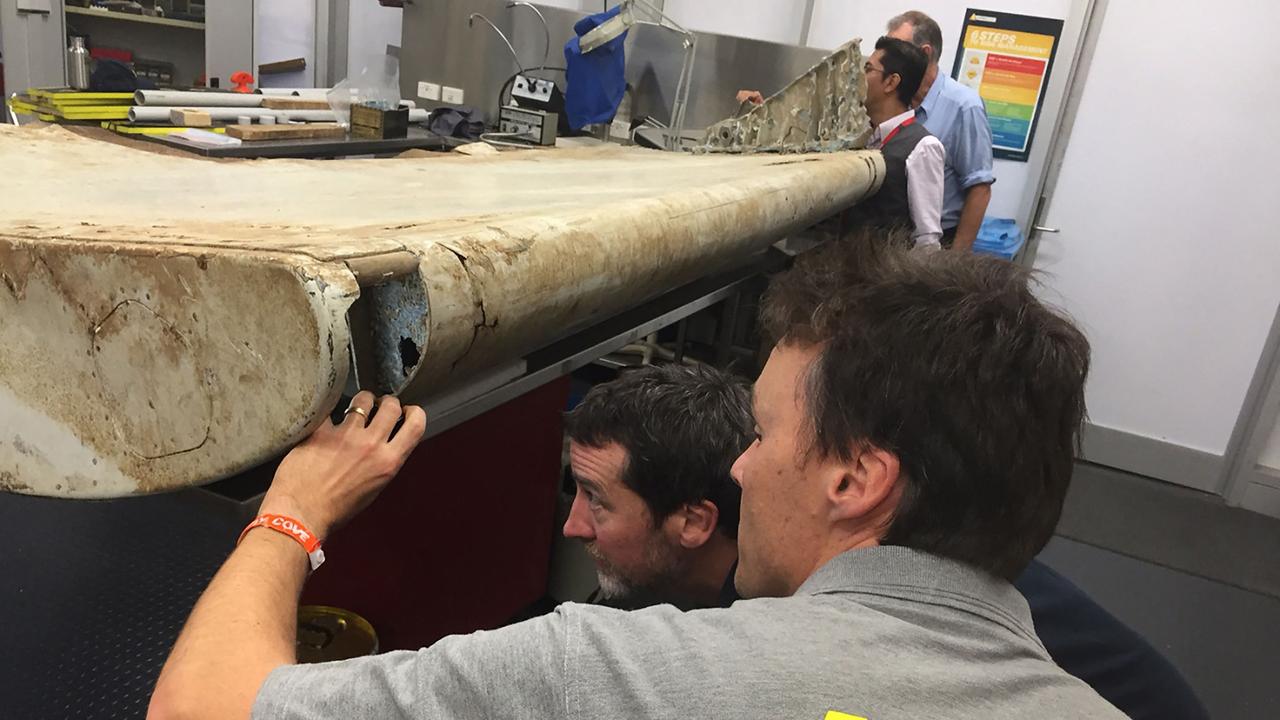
[655,505]
[915,430]
[650,454]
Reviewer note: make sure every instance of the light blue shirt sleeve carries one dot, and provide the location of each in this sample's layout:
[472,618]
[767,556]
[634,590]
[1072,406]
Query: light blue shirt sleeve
[956,116]
[971,154]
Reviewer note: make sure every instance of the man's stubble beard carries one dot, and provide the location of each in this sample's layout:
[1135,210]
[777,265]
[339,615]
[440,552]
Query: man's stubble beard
[661,575]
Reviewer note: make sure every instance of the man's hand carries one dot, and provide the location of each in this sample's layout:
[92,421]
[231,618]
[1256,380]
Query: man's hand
[750,96]
[340,469]
[246,624]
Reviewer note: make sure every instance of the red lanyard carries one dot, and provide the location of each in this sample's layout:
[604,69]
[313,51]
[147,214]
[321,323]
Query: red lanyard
[894,131]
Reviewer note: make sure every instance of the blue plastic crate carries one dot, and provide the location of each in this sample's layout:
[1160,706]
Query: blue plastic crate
[1000,237]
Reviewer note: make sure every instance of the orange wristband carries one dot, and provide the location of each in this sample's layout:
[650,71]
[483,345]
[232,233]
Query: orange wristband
[286,525]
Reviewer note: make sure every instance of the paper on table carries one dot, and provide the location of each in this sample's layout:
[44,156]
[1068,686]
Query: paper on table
[204,138]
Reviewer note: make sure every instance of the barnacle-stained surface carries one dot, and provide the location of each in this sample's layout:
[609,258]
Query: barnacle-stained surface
[820,111]
[168,321]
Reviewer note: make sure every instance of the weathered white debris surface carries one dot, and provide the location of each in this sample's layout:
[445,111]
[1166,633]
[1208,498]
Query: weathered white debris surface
[820,111]
[168,321]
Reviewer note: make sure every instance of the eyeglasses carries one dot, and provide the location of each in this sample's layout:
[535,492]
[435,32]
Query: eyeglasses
[869,68]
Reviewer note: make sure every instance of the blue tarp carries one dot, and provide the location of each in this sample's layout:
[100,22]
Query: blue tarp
[998,236]
[595,82]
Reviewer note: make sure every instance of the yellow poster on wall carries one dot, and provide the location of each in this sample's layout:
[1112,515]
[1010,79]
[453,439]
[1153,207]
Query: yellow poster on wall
[1006,58]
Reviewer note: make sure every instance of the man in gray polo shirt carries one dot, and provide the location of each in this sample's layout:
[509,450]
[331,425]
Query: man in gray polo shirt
[916,425]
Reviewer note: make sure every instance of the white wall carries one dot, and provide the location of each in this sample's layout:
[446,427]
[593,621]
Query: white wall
[370,29]
[836,21]
[228,39]
[591,6]
[772,20]
[1169,253]
[283,30]
[778,21]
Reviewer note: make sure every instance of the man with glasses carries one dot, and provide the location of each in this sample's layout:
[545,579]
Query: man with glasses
[911,195]
[955,114]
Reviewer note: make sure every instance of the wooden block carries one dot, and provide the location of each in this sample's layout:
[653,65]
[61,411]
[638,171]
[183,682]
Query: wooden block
[367,121]
[188,117]
[308,131]
[284,66]
[294,103]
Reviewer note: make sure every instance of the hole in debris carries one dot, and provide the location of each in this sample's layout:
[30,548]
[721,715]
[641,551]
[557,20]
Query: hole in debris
[409,355]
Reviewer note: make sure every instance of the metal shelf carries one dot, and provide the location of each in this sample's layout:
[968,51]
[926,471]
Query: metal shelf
[129,17]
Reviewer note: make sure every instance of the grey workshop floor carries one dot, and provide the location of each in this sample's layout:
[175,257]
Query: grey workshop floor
[1196,578]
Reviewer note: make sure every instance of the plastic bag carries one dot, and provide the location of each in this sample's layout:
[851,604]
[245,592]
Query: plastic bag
[378,86]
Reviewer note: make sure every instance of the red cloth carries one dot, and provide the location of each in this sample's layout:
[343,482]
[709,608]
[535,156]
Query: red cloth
[108,53]
[461,539]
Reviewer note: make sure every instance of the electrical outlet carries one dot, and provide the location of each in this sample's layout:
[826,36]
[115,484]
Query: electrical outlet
[451,95]
[429,90]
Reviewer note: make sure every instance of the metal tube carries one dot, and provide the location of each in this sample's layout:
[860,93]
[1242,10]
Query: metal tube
[228,114]
[180,98]
[546,29]
[471,19]
[681,100]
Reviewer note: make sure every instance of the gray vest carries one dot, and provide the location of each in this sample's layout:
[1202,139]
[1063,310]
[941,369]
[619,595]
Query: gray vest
[889,207]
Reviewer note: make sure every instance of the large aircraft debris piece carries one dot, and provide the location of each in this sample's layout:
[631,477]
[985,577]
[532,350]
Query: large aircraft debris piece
[167,321]
[820,111]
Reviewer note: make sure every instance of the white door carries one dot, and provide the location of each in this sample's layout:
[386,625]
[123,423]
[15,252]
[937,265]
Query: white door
[1168,208]
[1261,492]
[1253,479]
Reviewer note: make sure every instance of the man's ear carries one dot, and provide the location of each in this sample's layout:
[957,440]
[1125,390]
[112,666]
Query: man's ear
[927,49]
[694,523]
[863,485]
[891,83]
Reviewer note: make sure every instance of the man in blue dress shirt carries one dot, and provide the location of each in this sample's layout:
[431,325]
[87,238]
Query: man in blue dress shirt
[955,115]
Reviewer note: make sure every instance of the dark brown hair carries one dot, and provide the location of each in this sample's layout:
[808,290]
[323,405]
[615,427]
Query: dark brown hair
[949,361]
[907,61]
[682,427]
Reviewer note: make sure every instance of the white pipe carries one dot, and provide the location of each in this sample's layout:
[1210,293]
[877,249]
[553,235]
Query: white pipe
[182,98]
[229,114]
[309,94]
